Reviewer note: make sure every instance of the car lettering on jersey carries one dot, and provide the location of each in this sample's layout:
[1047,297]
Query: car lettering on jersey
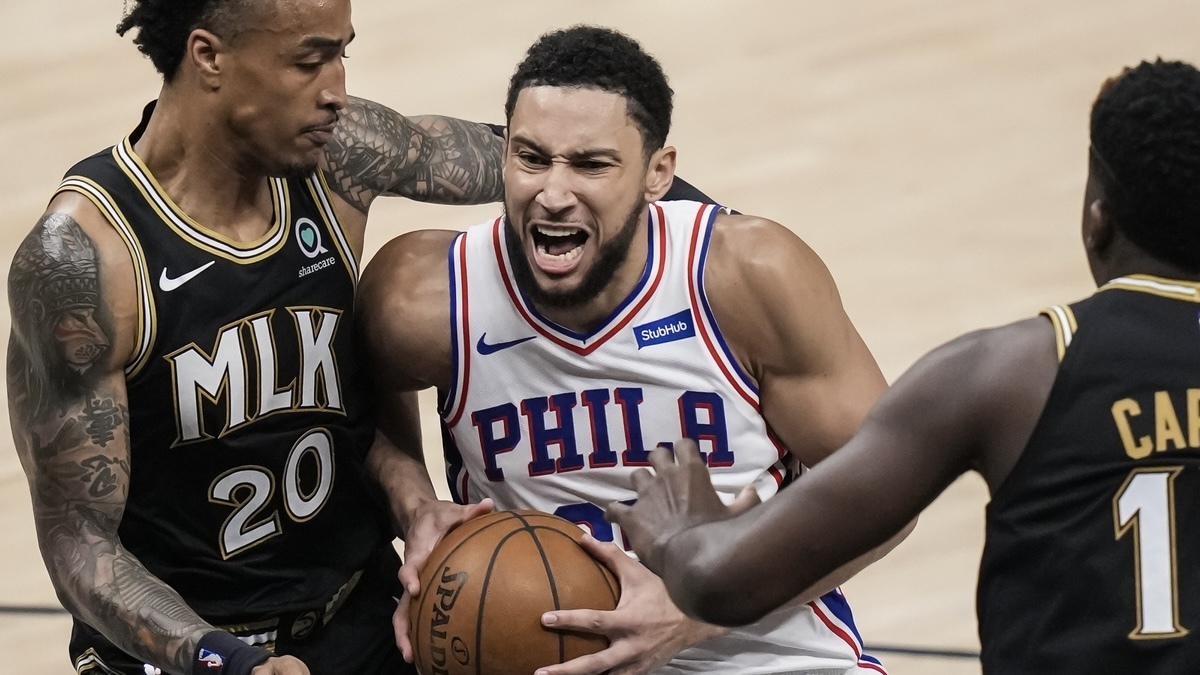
[669,329]
[540,423]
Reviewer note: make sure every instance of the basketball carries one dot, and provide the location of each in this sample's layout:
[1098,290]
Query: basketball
[486,586]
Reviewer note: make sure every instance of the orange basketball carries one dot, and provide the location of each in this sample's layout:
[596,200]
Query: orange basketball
[486,585]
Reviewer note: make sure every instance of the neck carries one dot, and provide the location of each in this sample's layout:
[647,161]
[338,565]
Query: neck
[1130,260]
[196,163]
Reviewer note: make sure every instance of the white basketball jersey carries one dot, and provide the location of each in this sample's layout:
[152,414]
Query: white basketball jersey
[552,419]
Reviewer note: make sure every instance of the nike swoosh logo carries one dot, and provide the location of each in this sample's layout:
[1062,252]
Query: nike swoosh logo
[167,284]
[485,348]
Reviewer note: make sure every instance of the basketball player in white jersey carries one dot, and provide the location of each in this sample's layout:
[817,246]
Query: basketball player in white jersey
[591,322]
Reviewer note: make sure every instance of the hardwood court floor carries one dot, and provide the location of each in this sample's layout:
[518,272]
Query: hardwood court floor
[932,151]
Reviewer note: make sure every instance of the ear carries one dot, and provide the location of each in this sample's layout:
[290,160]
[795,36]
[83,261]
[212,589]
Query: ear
[205,54]
[1097,227]
[660,173]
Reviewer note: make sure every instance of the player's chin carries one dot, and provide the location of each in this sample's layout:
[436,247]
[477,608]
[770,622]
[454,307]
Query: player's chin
[300,166]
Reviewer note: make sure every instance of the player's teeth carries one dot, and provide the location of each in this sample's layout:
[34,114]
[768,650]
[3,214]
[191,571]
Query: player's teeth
[552,231]
[569,255]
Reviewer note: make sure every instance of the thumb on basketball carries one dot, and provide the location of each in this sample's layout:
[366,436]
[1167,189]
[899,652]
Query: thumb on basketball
[606,552]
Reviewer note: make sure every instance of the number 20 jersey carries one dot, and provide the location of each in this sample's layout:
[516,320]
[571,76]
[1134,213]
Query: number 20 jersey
[547,418]
[247,426]
[1092,563]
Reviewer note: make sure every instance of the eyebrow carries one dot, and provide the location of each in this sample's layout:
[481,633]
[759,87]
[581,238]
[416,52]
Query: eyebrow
[586,153]
[319,42]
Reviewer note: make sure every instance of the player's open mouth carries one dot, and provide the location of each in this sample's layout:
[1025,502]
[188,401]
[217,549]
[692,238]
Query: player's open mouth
[557,248]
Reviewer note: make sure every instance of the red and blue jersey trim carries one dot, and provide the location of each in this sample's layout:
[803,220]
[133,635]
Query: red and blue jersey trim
[454,400]
[586,343]
[834,611]
[710,333]
[707,322]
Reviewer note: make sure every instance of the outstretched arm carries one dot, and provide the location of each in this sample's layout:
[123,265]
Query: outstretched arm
[377,151]
[971,403]
[780,309]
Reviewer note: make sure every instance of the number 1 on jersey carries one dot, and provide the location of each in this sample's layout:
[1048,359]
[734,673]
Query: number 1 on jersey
[1145,505]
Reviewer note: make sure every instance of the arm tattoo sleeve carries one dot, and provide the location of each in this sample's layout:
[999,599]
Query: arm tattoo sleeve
[377,151]
[71,427]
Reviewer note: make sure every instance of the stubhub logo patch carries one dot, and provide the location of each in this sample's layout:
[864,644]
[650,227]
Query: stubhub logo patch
[675,327]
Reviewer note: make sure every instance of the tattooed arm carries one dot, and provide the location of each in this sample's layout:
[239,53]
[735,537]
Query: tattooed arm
[377,151]
[68,407]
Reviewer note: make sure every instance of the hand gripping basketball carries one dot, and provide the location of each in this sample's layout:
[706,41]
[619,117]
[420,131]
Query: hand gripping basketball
[486,585]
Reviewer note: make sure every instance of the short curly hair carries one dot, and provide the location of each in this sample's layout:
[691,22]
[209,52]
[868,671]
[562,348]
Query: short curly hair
[599,58]
[163,26]
[1145,134]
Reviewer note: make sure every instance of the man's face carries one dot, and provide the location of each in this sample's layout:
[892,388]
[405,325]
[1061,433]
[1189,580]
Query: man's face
[284,82]
[574,192]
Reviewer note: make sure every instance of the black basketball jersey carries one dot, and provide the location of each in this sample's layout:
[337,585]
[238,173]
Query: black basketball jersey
[1090,564]
[248,414]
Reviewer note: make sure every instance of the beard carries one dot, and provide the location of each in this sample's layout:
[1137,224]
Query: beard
[299,169]
[609,259]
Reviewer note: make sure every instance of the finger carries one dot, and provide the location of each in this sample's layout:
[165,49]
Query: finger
[400,627]
[747,499]
[616,512]
[583,620]
[687,453]
[590,664]
[642,479]
[410,574]
[662,459]
[606,552]
[481,508]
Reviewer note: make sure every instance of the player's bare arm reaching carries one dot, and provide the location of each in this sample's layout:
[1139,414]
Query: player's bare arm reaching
[67,403]
[377,151]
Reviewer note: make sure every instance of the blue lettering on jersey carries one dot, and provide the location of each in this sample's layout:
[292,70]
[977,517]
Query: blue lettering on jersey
[675,327]
[551,421]
[490,442]
[541,437]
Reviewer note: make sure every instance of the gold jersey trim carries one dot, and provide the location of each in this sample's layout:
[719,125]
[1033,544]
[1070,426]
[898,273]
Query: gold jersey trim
[146,323]
[1064,327]
[320,192]
[89,661]
[1166,288]
[195,233]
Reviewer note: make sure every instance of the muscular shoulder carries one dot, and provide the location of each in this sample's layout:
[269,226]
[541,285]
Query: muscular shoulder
[403,307]
[73,261]
[767,287]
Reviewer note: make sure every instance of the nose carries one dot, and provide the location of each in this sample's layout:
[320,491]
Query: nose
[557,194]
[333,94]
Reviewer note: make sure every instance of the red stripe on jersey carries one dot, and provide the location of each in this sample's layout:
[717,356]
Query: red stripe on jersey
[465,337]
[698,311]
[659,263]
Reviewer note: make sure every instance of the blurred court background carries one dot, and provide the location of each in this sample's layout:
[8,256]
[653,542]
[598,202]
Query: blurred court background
[932,151]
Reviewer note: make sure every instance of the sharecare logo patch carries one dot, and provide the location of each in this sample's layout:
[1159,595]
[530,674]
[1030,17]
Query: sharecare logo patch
[675,327]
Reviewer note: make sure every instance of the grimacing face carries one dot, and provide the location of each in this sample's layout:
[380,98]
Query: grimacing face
[575,192]
[286,83]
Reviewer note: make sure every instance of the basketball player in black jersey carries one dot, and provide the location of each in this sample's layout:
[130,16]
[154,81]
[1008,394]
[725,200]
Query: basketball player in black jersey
[1085,426]
[183,392]
[184,396]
